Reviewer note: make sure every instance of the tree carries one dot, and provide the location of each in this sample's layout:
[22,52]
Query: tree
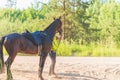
[73,12]
[109,21]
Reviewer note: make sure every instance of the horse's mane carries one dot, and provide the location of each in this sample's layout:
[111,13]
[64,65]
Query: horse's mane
[52,24]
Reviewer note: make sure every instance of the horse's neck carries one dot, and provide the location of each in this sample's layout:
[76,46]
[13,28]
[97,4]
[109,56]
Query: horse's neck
[50,32]
[51,29]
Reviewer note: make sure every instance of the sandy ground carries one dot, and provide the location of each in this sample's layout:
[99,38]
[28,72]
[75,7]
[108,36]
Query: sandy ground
[67,68]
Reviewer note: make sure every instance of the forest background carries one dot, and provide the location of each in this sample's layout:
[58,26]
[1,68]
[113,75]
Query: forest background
[91,27]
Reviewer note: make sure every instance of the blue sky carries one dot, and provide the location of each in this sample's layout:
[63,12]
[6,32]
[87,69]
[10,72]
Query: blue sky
[21,4]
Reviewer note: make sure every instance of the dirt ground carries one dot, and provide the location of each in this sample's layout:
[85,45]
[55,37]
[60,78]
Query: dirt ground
[67,68]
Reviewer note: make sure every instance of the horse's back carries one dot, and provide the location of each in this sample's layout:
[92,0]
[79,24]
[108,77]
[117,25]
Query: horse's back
[18,43]
[16,38]
[12,38]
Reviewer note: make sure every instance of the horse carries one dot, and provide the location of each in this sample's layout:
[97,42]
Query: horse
[16,42]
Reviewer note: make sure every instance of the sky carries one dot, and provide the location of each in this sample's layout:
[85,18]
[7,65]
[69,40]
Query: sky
[21,4]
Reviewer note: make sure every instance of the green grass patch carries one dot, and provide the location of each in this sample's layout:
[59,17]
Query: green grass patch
[74,49]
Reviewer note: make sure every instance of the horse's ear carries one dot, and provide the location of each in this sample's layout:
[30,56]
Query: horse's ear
[54,18]
[60,17]
[26,31]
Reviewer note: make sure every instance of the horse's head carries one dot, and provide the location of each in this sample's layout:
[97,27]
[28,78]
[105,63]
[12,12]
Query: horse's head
[59,25]
[54,27]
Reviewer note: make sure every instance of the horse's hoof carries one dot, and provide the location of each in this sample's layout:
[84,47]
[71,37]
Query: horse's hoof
[41,78]
[10,79]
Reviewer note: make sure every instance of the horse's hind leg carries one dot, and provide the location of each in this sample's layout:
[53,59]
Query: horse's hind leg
[9,74]
[8,65]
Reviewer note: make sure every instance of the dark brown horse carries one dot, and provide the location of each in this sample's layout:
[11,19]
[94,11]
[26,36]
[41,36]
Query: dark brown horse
[15,43]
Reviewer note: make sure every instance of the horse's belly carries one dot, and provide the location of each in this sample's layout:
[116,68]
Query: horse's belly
[31,50]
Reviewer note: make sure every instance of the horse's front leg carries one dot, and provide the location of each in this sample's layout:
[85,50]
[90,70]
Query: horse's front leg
[41,65]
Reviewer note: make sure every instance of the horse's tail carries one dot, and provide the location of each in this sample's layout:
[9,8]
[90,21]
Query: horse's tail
[1,54]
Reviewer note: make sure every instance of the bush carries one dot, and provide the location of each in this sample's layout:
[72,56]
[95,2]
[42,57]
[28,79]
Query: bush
[74,49]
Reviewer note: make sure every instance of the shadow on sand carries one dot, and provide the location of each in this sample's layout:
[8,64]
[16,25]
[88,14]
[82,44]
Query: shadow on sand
[73,76]
[66,76]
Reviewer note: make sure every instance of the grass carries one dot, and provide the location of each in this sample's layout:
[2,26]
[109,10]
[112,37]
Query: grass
[74,49]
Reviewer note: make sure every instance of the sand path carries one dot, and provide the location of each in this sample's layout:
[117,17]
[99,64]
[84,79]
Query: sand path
[67,68]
